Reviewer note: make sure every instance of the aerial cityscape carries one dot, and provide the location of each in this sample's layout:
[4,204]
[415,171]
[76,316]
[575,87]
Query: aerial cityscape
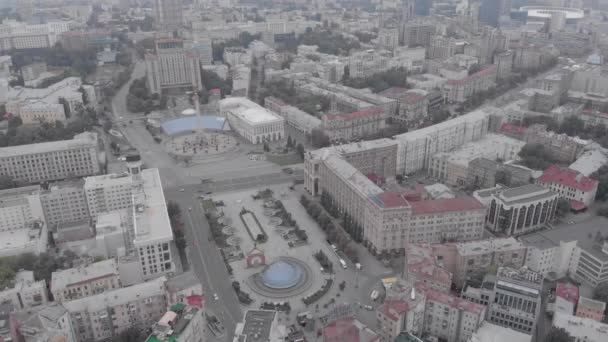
[303,170]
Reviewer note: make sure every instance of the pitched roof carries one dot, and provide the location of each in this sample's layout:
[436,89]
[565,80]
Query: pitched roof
[567,177]
[390,307]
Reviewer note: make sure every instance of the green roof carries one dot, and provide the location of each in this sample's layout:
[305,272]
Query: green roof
[407,337]
[177,307]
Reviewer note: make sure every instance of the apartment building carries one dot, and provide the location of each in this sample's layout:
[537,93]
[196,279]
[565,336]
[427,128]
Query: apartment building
[105,315]
[570,185]
[50,161]
[590,308]
[459,90]
[416,33]
[44,323]
[452,167]
[105,193]
[354,125]
[25,292]
[168,14]
[518,210]
[20,35]
[252,121]
[388,39]
[474,256]
[442,47]
[20,208]
[451,318]
[64,202]
[571,248]
[482,173]
[560,146]
[181,323]
[152,235]
[172,65]
[86,281]
[413,104]
[365,64]
[425,264]
[417,147]
[504,64]
[401,314]
[298,120]
[581,328]
[516,299]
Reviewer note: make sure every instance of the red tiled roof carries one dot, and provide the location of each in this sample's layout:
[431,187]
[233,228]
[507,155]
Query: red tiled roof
[196,301]
[394,92]
[476,75]
[427,269]
[445,205]
[391,199]
[454,302]
[577,205]
[511,128]
[594,112]
[567,291]
[215,91]
[392,306]
[412,98]
[345,330]
[567,177]
[355,115]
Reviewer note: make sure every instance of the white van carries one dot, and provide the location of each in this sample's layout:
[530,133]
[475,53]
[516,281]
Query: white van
[343,263]
[358,266]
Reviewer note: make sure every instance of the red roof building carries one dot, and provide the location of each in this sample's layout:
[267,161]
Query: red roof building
[446,205]
[567,291]
[348,329]
[570,185]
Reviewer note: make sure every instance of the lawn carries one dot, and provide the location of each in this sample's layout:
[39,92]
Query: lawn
[284,159]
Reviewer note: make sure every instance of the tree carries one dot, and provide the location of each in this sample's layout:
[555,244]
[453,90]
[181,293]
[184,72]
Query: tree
[601,292]
[474,68]
[558,335]
[535,156]
[603,211]
[6,182]
[572,126]
[300,150]
[319,138]
[131,334]
[563,207]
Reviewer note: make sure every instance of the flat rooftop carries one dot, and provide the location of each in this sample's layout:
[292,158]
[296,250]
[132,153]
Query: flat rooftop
[74,276]
[79,142]
[495,333]
[107,180]
[583,232]
[581,328]
[487,246]
[248,111]
[473,116]
[520,275]
[258,323]
[152,223]
[492,146]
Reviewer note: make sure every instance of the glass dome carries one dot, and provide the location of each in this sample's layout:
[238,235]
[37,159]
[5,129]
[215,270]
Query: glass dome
[281,275]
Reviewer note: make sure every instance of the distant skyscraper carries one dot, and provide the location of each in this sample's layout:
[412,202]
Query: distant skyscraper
[407,10]
[168,14]
[489,11]
[25,9]
[422,7]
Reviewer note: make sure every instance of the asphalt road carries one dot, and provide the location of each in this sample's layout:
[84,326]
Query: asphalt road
[206,262]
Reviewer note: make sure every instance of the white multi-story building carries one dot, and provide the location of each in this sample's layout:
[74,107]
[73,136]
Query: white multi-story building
[51,160]
[152,235]
[452,167]
[252,121]
[81,282]
[64,202]
[570,249]
[581,329]
[570,185]
[388,38]
[105,315]
[300,121]
[105,193]
[417,147]
[20,35]
[26,291]
[354,125]
[518,210]
[35,105]
[21,208]
[173,66]
[367,63]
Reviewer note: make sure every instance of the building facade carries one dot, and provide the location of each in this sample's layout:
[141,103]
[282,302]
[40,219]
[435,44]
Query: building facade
[570,185]
[76,283]
[64,202]
[172,66]
[49,161]
[354,125]
[519,210]
[252,121]
[516,299]
[451,318]
[459,90]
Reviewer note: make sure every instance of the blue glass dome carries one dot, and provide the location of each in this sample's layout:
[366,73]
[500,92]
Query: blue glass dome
[281,275]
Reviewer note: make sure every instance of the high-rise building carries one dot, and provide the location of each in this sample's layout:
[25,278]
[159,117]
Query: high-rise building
[168,14]
[173,66]
[489,11]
